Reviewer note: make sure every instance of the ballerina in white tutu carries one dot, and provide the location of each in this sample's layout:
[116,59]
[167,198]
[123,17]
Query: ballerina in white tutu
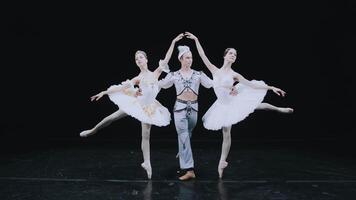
[230,109]
[139,103]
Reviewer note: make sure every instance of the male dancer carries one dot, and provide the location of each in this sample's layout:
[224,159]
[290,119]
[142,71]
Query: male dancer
[186,82]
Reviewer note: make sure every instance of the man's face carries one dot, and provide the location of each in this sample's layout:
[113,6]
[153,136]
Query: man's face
[187,59]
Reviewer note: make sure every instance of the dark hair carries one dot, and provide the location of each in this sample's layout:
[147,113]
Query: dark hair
[227,50]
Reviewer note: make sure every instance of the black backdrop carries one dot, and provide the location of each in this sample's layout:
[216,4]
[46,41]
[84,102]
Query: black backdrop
[57,56]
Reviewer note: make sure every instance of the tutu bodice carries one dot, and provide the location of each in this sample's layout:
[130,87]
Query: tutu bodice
[230,109]
[222,84]
[149,89]
[144,107]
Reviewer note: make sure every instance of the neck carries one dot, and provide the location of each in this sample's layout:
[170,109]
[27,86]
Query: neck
[144,68]
[185,68]
[226,65]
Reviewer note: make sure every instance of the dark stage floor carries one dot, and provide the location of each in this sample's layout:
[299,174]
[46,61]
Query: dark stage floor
[90,169]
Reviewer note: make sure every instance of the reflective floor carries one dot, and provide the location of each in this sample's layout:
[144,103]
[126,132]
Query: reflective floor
[84,169]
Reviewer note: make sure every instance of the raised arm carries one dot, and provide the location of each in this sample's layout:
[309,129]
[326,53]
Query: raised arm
[244,81]
[212,68]
[117,88]
[163,65]
[171,48]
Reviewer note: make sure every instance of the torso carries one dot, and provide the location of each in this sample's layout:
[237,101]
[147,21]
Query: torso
[149,88]
[187,94]
[223,81]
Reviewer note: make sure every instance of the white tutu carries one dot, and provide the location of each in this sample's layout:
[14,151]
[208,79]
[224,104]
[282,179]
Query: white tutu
[145,108]
[228,110]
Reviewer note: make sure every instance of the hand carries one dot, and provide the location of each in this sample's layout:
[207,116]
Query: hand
[97,96]
[190,36]
[233,91]
[179,37]
[138,92]
[278,91]
[163,66]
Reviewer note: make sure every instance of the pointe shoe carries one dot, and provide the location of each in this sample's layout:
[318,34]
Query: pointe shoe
[221,167]
[287,110]
[188,175]
[148,169]
[86,133]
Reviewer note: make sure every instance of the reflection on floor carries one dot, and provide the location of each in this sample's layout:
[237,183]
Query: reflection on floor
[111,170]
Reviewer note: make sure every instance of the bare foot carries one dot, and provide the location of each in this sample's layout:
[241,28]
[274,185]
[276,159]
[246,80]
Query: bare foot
[221,167]
[147,166]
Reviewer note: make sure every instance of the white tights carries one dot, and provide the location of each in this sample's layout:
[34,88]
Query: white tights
[267,106]
[226,144]
[145,142]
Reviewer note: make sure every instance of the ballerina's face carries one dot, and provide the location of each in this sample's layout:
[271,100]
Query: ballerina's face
[187,59]
[230,55]
[141,59]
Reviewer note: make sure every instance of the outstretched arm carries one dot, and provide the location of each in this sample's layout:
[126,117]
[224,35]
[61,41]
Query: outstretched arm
[243,80]
[206,81]
[167,81]
[212,68]
[116,88]
[163,64]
